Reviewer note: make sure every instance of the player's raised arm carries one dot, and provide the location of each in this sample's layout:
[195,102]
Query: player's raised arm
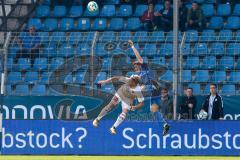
[113,79]
[135,51]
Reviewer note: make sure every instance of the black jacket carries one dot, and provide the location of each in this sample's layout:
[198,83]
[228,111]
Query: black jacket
[217,111]
[184,110]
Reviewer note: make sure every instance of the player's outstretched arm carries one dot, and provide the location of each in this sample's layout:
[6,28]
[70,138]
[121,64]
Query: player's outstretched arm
[138,106]
[112,79]
[135,51]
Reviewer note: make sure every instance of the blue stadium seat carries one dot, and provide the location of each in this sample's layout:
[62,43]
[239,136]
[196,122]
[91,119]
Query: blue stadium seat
[83,24]
[196,88]
[68,79]
[236,10]
[208,10]
[23,64]
[169,37]
[74,38]
[31,77]
[59,11]
[191,36]
[80,78]
[83,49]
[217,48]
[202,76]
[170,63]
[191,63]
[140,36]
[106,63]
[207,36]
[125,11]
[99,24]
[186,49]
[157,36]
[209,62]
[140,9]
[233,49]
[125,36]
[228,89]
[206,89]
[186,76]
[38,90]
[133,24]
[58,37]
[235,77]
[21,89]
[199,1]
[111,1]
[66,24]
[101,76]
[10,64]
[219,76]
[49,50]
[109,88]
[108,11]
[40,64]
[66,50]
[45,77]
[149,49]
[50,24]
[167,76]
[225,35]
[44,37]
[116,24]
[216,23]
[14,77]
[56,62]
[100,51]
[12,50]
[9,90]
[166,49]
[233,23]
[42,11]
[237,35]
[159,60]
[224,10]
[36,22]
[87,13]
[200,49]
[76,11]
[226,62]
[158,7]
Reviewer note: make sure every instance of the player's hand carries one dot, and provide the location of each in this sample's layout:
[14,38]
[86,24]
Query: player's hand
[130,42]
[101,83]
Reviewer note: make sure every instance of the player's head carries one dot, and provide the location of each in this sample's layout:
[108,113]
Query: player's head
[137,66]
[189,92]
[134,81]
[167,4]
[195,5]
[150,7]
[213,89]
[164,92]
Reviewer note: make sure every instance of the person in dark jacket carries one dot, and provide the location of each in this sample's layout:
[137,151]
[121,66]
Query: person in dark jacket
[195,18]
[213,104]
[147,18]
[164,18]
[183,12]
[188,105]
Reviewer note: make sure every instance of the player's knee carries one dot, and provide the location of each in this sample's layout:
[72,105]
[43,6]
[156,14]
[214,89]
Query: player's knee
[122,115]
[154,108]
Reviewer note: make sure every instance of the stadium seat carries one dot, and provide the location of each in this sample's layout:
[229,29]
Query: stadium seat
[217,48]
[233,49]
[116,24]
[140,36]
[106,63]
[38,90]
[108,11]
[14,77]
[36,22]
[45,77]
[68,79]
[140,9]
[9,90]
[169,36]
[216,23]
[199,1]
[236,10]
[111,1]
[225,35]
[207,36]
[209,62]
[66,50]
[83,49]
[21,90]
[49,50]
[219,76]
[58,37]
[228,89]
[186,76]
[12,50]
[125,36]
[44,37]
[23,64]
[10,64]
[200,49]
[166,49]
[40,64]
[224,10]
[59,11]
[42,11]
[100,76]
[233,23]
[196,88]
[157,36]
[185,49]
[202,76]
[149,50]
[191,36]
[50,24]
[159,61]
[206,89]
[167,76]
[83,24]
[100,51]
[66,24]
[87,13]
[158,7]
[56,63]
[99,24]
[133,24]
[107,36]
[76,11]
[235,77]
[80,78]
[237,35]
[74,37]
[125,11]
[31,77]
[208,10]
[226,62]
[108,88]
[191,63]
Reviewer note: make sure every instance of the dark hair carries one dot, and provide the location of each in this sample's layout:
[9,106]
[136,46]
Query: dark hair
[213,84]
[190,88]
[165,89]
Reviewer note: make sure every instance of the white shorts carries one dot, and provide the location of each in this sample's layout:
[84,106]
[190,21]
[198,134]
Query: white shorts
[124,104]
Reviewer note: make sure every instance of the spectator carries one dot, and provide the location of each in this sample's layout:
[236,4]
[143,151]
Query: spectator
[213,104]
[195,18]
[183,11]
[188,105]
[164,18]
[147,18]
[165,105]
[29,44]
